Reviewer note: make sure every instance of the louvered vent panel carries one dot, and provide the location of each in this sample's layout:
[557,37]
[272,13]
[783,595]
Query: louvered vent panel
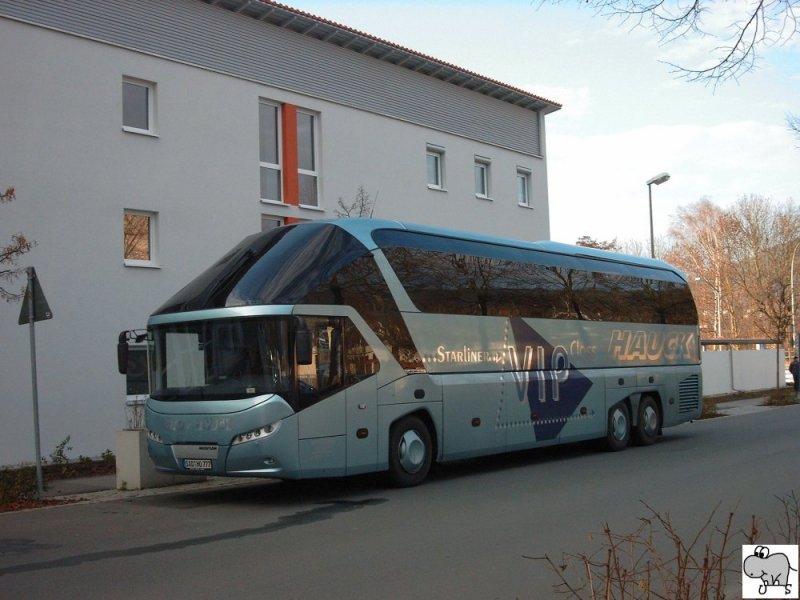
[689,394]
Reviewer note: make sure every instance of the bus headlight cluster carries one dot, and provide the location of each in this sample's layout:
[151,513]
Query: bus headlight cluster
[256,434]
[154,436]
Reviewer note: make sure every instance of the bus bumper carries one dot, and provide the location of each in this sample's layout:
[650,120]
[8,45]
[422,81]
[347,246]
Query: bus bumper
[273,456]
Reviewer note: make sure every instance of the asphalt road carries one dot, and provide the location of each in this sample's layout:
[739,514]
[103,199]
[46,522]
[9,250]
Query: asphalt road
[464,534]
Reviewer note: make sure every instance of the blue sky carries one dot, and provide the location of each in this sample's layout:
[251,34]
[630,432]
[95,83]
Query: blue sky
[626,116]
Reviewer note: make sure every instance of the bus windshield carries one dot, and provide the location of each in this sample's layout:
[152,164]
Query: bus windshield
[220,360]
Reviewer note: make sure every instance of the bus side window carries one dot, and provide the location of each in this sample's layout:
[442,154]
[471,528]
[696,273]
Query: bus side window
[323,374]
[359,361]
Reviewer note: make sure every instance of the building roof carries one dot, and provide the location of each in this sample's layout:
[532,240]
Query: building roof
[327,31]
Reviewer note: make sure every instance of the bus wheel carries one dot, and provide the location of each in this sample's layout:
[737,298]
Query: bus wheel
[410,452]
[619,427]
[649,422]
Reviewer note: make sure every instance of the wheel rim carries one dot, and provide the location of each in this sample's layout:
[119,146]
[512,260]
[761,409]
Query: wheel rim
[411,452]
[650,420]
[619,425]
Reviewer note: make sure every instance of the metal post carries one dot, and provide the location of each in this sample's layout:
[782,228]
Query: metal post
[791,293]
[650,200]
[34,385]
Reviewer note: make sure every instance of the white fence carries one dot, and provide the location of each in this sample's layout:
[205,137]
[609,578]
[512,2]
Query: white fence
[728,371]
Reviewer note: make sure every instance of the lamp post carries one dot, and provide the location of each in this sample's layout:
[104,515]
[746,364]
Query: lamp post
[658,180]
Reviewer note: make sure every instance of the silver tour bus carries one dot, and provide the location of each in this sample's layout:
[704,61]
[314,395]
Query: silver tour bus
[333,348]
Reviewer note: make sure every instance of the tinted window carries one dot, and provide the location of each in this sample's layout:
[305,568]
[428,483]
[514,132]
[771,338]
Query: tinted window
[314,263]
[451,276]
[339,358]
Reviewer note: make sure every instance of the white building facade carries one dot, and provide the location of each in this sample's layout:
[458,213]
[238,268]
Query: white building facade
[144,139]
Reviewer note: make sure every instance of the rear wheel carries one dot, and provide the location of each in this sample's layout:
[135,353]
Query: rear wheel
[648,422]
[410,452]
[619,427]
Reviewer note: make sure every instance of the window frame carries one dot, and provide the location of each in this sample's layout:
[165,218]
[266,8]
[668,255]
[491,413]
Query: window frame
[276,222]
[314,171]
[278,167]
[485,165]
[150,88]
[152,240]
[524,175]
[437,153]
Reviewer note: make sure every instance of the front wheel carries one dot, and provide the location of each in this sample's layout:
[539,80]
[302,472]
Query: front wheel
[410,452]
[619,427]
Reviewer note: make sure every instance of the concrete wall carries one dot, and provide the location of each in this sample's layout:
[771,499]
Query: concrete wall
[742,371]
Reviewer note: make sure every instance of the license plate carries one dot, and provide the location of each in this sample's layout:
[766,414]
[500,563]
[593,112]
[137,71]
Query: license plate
[197,464]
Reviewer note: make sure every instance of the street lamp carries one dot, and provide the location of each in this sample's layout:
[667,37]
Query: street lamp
[658,180]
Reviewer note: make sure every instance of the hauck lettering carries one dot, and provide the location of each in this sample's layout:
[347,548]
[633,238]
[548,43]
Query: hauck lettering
[629,345]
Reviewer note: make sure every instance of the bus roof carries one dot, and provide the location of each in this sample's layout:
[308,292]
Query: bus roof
[362,228]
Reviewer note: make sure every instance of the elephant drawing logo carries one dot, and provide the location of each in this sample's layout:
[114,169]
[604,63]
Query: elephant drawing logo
[769,571]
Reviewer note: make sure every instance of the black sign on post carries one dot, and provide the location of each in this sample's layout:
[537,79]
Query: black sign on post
[34,294]
[35,308]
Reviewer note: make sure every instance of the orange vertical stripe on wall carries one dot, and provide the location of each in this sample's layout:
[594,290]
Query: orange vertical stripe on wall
[291,190]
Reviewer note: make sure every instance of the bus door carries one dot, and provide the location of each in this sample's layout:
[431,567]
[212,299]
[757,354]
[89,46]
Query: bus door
[337,398]
[360,368]
[321,399]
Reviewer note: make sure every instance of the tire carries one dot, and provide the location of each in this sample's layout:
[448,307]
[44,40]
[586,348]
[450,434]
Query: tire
[618,434]
[410,452]
[648,422]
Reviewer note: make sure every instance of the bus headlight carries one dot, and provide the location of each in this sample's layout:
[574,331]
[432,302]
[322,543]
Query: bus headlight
[256,434]
[154,436]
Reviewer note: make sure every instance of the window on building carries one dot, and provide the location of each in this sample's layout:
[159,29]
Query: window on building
[268,223]
[139,233]
[269,151]
[435,162]
[523,187]
[306,159]
[138,106]
[482,167]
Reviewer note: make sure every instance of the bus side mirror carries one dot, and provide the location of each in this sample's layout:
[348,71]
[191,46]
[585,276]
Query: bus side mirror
[303,347]
[122,353]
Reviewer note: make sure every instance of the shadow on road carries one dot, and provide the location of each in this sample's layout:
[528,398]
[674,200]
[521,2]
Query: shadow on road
[275,493]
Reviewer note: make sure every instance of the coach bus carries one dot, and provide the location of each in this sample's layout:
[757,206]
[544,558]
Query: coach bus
[333,348]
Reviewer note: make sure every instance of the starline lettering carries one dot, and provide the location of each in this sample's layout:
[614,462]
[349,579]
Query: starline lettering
[628,345]
[465,355]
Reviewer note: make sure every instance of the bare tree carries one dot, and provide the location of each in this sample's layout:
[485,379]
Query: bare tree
[638,248]
[738,261]
[588,242]
[10,253]
[362,206]
[760,248]
[136,230]
[793,122]
[699,232]
[748,29]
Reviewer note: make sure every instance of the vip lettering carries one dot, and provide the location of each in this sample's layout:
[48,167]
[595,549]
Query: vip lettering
[534,362]
[628,345]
